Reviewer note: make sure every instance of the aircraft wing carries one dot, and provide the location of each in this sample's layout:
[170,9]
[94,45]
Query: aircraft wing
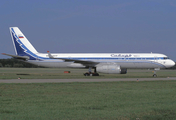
[83,62]
[16,56]
[79,61]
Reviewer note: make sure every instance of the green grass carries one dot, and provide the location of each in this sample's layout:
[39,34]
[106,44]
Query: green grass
[154,100]
[58,73]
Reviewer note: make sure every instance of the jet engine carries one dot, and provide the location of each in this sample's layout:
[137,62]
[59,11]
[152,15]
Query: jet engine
[111,69]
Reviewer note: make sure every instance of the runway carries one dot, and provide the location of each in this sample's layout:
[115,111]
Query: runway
[81,80]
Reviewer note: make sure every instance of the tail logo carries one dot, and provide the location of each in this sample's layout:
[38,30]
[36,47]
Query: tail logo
[20,36]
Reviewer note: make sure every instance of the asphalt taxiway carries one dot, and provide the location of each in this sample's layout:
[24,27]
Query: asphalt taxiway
[81,80]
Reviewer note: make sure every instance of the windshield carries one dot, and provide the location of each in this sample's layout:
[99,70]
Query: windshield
[166,58]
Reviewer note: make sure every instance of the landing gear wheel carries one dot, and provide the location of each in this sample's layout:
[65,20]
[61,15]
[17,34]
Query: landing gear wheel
[86,74]
[91,74]
[154,75]
[95,74]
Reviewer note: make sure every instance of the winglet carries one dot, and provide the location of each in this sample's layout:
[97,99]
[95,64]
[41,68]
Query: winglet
[49,54]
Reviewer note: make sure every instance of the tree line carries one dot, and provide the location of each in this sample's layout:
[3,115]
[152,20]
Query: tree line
[16,63]
[21,64]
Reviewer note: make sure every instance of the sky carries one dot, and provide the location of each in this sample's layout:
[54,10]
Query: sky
[91,26]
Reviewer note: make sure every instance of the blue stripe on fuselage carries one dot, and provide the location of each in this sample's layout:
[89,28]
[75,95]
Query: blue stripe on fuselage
[109,60]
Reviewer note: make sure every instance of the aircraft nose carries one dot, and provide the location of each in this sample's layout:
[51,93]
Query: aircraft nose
[170,64]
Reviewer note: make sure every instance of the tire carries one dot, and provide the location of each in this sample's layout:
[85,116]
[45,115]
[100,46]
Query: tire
[154,75]
[86,74]
[95,74]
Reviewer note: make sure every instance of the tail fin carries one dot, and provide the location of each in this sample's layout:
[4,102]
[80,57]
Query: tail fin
[21,44]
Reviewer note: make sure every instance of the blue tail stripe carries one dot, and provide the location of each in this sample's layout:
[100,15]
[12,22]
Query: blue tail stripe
[21,49]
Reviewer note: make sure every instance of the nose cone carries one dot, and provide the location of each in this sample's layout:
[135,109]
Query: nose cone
[170,63]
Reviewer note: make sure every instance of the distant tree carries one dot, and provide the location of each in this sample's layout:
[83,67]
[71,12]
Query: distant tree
[1,65]
[7,65]
[15,63]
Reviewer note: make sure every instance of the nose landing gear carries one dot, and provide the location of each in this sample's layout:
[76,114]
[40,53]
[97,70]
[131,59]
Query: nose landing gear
[155,75]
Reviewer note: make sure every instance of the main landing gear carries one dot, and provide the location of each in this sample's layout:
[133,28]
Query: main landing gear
[90,72]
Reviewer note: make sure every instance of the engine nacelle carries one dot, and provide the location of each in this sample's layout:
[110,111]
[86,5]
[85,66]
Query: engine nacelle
[111,69]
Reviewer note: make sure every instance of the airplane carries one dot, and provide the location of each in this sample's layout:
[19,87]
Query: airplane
[111,63]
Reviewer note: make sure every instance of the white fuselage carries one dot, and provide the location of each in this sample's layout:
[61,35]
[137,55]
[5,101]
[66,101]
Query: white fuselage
[103,62]
[124,60]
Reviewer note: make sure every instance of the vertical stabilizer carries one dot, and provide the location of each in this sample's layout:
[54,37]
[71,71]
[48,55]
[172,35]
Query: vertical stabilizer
[21,44]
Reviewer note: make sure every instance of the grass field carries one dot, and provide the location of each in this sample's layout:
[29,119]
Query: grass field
[154,100]
[58,73]
[144,100]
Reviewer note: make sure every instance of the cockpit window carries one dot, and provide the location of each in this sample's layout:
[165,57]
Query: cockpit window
[166,58]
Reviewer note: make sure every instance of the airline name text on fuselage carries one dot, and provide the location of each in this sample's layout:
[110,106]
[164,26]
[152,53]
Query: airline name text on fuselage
[121,55]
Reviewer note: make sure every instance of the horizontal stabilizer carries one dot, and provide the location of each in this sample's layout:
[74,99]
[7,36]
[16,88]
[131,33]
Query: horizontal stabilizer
[17,57]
